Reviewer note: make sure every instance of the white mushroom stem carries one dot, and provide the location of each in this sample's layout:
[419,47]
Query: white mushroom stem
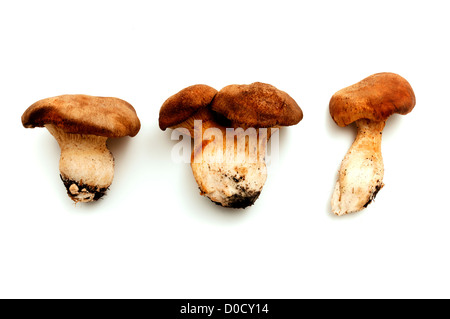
[361,172]
[231,174]
[86,165]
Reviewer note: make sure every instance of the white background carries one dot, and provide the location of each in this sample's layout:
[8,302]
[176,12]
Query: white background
[153,235]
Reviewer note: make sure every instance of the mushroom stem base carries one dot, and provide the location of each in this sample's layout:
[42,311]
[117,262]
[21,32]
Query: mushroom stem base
[361,173]
[86,165]
[229,174]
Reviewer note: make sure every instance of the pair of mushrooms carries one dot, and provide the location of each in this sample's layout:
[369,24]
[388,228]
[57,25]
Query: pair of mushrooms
[368,103]
[230,173]
[81,124]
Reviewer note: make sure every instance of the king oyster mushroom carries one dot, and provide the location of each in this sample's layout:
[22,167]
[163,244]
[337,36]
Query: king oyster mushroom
[81,124]
[230,172]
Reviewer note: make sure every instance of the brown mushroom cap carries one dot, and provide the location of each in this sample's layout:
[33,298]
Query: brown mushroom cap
[257,105]
[84,114]
[181,106]
[375,98]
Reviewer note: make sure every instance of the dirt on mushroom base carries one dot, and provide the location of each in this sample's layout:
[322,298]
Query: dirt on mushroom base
[97,192]
[374,194]
[245,196]
[241,200]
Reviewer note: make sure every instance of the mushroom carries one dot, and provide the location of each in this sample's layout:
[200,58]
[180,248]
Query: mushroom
[81,124]
[368,103]
[229,162]
[190,104]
